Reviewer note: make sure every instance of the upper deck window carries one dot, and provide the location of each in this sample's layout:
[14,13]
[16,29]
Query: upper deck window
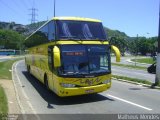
[80,30]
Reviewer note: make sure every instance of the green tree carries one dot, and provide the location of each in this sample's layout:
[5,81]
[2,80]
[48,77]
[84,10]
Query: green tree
[121,43]
[11,39]
[142,45]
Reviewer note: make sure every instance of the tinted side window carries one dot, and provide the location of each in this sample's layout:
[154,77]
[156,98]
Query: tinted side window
[44,30]
[51,34]
[39,37]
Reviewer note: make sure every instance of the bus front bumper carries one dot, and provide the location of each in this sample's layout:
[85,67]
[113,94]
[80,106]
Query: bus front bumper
[83,90]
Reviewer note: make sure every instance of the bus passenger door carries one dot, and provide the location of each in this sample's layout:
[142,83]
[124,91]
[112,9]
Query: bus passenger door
[51,68]
[50,58]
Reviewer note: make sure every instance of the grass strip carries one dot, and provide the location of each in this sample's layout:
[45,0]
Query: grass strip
[3,103]
[130,66]
[5,69]
[132,79]
[5,73]
[144,60]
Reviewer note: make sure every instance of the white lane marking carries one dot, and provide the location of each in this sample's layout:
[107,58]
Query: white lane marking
[22,89]
[126,101]
[17,96]
[30,105]
[18,99]
[20,80]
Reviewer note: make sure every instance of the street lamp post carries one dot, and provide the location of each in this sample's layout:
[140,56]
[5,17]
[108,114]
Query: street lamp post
[54,8]
[157,77]
[136,50]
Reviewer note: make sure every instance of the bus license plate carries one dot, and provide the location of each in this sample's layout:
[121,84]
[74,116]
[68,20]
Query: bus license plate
[89,91]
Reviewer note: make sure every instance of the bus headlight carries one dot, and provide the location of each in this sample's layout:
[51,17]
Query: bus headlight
[66,85]
[106,81]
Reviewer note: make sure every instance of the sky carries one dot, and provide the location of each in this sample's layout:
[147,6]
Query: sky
[130,16]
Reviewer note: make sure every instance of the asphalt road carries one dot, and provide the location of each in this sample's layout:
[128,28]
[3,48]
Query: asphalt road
[122,98]
[132,73]
[5,58]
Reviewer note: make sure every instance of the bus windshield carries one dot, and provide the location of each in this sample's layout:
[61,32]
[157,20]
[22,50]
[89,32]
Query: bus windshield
[85,60]
[80,30]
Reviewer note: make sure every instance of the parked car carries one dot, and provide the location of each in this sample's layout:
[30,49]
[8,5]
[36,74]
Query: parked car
[152,68]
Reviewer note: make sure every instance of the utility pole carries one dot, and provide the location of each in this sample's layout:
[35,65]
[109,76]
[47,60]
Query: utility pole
[136,50]
[157,78]
[33,15]
[54,8]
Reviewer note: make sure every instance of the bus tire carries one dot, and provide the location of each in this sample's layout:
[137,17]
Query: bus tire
[46,81]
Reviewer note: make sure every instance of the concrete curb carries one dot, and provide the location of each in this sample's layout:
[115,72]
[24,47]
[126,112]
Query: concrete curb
[136,83]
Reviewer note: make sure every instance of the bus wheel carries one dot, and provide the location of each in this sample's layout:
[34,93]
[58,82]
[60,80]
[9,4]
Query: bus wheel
[46,82]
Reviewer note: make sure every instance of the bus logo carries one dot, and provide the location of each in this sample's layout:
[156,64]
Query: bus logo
[90,81]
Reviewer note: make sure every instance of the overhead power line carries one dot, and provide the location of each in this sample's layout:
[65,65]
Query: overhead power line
[10,8]
[19,5]
[33,15]
[25,3]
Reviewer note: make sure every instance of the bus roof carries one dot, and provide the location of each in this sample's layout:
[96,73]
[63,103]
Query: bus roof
[76,19]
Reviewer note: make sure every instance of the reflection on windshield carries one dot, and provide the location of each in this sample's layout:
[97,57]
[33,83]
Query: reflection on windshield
[80,30]
[83,68]
[82,59]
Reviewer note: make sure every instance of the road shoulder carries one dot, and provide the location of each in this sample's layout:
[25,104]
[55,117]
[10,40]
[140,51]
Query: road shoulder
[13,107]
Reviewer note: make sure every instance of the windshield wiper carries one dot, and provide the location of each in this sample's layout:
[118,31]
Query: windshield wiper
[92,38]
[94,72]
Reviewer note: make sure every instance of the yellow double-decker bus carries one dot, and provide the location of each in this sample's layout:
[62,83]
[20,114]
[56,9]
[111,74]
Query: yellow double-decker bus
[71,56]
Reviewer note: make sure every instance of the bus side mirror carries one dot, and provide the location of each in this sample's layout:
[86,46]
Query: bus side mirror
[117,52]
[56,56]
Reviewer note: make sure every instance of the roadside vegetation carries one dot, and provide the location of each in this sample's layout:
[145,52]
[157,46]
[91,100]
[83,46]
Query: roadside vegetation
[5,73]
[144,60]
[141,81]
[3,102]
[132,79]
[5,69]
[135,46]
